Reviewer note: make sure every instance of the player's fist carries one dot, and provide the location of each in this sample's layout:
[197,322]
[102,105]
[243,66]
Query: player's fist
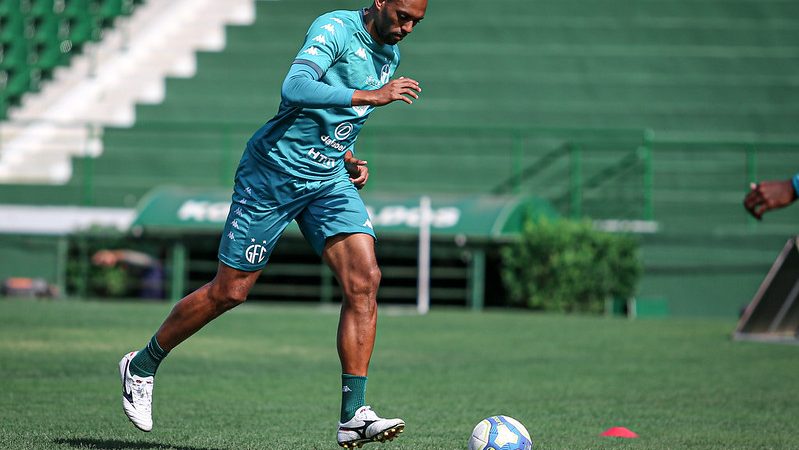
[401,89]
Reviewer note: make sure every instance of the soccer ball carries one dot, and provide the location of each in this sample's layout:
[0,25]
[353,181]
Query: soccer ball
[500,433]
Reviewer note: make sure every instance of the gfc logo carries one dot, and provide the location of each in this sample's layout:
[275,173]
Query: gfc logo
[343,131]
[255,253]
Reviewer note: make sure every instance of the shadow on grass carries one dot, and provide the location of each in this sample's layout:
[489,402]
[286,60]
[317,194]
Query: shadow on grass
[119,444]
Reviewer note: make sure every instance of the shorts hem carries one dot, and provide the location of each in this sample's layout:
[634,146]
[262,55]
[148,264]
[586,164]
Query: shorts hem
[241,267]
[340,232]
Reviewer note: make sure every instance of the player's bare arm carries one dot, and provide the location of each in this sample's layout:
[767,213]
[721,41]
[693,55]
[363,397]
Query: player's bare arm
[401,89]
[768,195]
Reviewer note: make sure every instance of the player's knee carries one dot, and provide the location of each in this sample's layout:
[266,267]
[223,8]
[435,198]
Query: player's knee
[361,287]
[229,298]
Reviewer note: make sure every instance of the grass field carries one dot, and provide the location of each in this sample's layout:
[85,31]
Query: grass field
[268,377]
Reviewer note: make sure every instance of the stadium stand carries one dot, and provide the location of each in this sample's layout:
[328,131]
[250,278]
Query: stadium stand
[40,35]
[101,86]
[654,111]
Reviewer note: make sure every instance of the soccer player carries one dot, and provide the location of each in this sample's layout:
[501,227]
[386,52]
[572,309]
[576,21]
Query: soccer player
[768,195]
[301,166]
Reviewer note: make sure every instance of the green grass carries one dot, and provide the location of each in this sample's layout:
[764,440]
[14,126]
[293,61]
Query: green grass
[268,377]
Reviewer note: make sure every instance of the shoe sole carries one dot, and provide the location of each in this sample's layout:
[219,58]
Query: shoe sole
[384,436]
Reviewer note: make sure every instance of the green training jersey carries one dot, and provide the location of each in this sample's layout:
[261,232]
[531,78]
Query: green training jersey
[308,142]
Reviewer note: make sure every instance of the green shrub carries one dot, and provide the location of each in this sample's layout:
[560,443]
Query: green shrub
[569,266]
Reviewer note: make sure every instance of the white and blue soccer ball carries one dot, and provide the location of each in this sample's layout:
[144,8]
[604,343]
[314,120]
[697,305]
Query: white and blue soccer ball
[500,433]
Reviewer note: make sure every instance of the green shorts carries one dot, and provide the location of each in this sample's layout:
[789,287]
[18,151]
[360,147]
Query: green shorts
[265,201]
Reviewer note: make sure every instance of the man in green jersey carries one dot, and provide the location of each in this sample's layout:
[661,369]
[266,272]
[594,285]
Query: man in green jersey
[301,166]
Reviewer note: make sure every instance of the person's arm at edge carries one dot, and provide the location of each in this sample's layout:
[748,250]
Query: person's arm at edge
[768,195]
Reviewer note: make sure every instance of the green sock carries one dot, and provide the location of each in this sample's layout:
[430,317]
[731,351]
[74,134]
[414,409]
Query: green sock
[353,395]
[146,362]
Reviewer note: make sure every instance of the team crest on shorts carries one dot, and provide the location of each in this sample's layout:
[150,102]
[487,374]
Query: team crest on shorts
[255,253]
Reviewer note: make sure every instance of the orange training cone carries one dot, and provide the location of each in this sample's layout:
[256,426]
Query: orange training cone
[619,432]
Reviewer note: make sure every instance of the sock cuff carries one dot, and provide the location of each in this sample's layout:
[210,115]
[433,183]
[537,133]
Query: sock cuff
[155,349]
[346,376]
[353,381]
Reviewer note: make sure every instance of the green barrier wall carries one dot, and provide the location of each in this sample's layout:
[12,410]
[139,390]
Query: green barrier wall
[33,257]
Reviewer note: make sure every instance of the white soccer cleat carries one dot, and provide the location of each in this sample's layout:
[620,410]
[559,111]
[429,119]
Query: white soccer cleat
[366,427]
[137,395]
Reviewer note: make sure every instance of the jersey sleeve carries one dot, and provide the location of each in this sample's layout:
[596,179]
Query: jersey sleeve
[302,88]
[324,44]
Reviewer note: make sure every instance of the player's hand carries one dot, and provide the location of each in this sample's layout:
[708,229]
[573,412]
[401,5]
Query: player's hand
[768,195]
[401,89]
[356,169]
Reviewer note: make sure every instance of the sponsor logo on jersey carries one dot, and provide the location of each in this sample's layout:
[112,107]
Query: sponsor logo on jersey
[343,131]
[338,21]
[319,158]
[332,143]
[385,74]
[320,39]
[312,51]
[329,28]
[361,53]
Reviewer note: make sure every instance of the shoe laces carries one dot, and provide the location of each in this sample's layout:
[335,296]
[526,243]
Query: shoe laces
[366,413]
[142,390]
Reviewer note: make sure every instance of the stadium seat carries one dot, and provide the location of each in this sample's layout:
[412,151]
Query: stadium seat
[12,26]
[13,54]
[49,57]
[83,28]
[111,9]
[50,29]
[20,82]
[40,8]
